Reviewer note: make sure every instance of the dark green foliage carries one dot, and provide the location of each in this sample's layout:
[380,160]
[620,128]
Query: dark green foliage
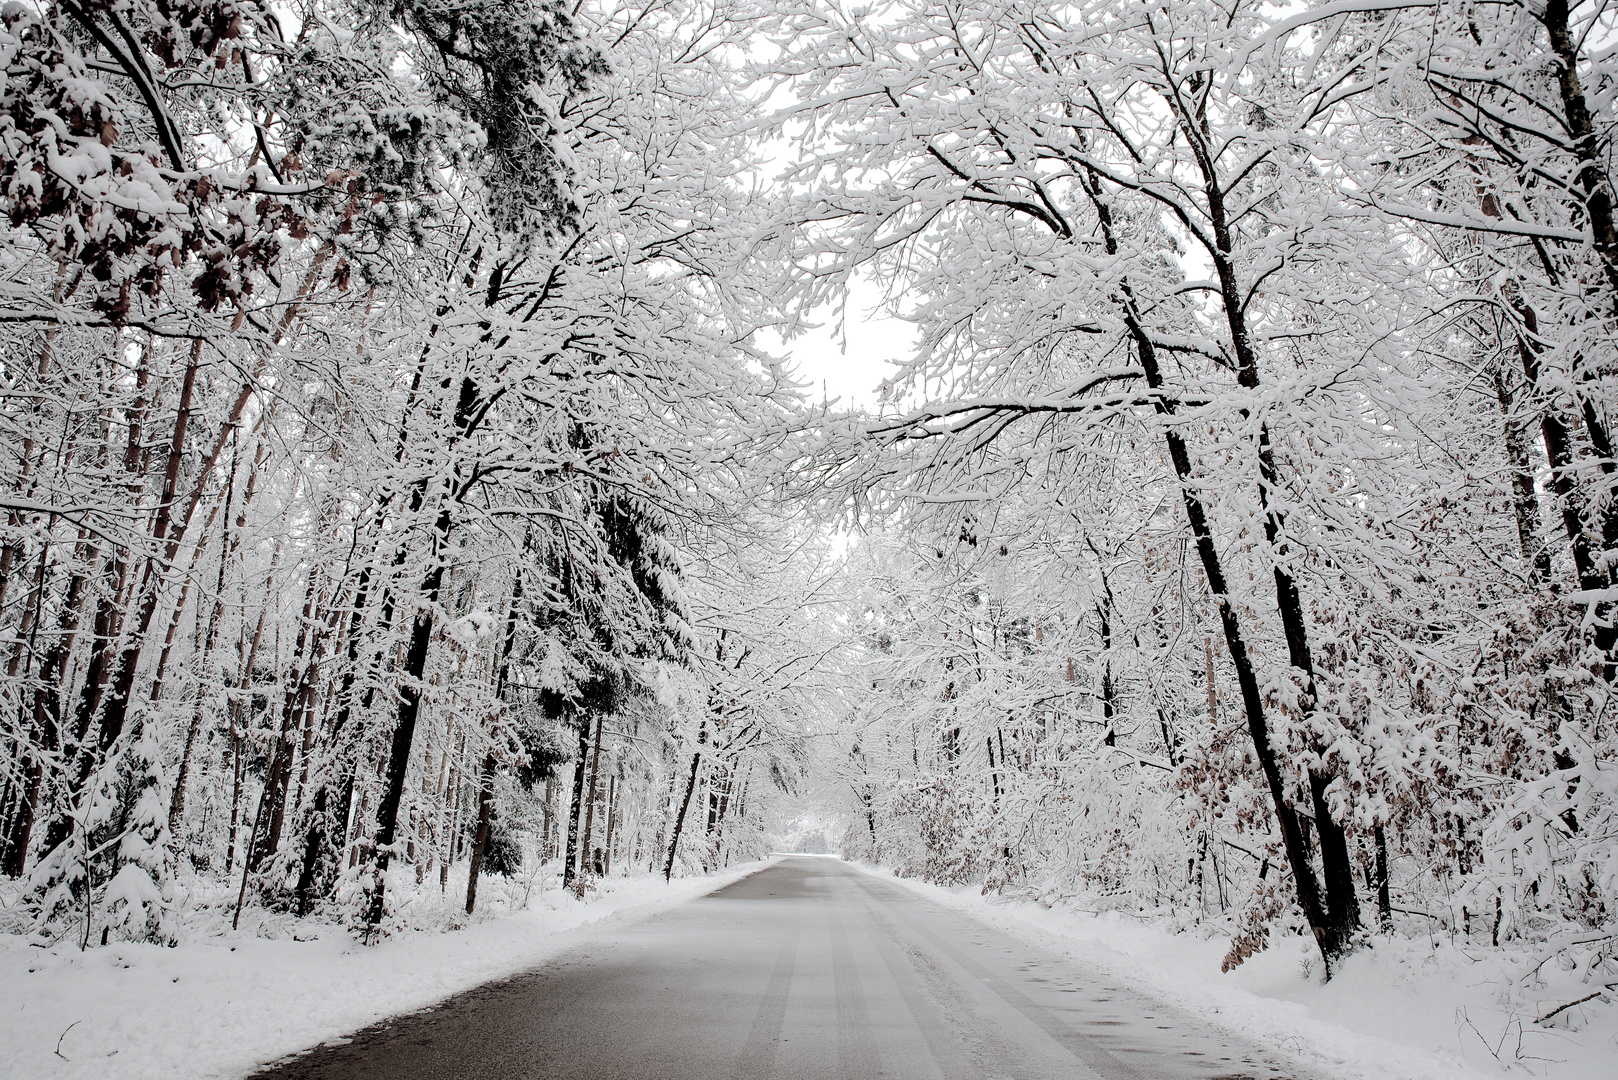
[544,751]
[502,854]
[503,64]
[635,542]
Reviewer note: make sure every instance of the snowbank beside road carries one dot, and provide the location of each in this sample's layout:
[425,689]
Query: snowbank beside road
[220,1004]
[1403,1010]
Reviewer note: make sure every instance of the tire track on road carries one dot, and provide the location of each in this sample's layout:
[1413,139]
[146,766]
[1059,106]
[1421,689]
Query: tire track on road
[764,1037]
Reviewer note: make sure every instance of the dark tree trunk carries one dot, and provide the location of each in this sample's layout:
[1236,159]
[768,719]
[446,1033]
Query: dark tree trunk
[1384,901]
[548,848]
[679,819]
[1335,917]
[580,765]
[8,553]
[114,709]
[1525,501]
[48,714]
[485,804]
[235,710]
[83,757]
[210,641]
[22,793]
[994,781]
[313,847]
[716,781]
[612,820]
[1331,927]
[486,775]
[320,834]
[470,410]
[11,796]
[719,818]
[404,731]
[1596,193]
[590,801]
[278,779]
[22,819]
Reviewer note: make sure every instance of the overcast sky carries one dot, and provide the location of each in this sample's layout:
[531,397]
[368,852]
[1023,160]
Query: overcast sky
[850,364]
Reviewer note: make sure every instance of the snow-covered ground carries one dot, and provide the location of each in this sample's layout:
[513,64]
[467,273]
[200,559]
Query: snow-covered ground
[224,1001]
[1424,1009]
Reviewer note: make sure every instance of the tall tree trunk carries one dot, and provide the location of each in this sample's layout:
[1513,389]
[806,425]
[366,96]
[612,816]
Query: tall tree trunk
[47,700]
[1338,910]
[1104,613]
[82,757]
[1334,916]
[580,766]
[486,774]
[481,843]
[170,529]
[1594,190]
[278,779]
[470,411]
[1384,902]
[9,552]
[587,863]
[612,820]
[39,732]
[685,804]
[109,696]
[229,540]
[548,848]
[404,731]
[320,831]
[1571,498]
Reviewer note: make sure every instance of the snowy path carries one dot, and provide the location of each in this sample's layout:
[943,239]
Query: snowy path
[807,969]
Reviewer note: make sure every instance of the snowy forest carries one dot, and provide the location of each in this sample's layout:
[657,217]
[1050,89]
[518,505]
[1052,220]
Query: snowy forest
[409,489]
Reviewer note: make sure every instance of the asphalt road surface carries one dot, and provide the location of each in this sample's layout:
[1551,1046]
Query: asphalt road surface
[807,970]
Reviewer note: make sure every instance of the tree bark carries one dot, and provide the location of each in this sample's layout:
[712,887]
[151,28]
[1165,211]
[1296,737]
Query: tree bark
[1597,194]
[590,802]
[481,844]
[82,757]
[278,779]
[1384,901]
[580,765]
[470,411]
[486,775]
[1524,499]
[210,642]
[317,836]
[612,820]
[679,819]
[110,697]
[404,730]
[1333,917]
[46,714]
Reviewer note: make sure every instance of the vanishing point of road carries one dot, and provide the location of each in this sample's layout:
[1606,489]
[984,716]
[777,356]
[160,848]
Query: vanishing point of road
[806,970]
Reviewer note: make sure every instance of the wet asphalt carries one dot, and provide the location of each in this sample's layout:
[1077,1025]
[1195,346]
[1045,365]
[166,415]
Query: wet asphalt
[806,970]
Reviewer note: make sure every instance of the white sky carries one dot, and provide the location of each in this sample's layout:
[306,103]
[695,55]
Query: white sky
[850,364]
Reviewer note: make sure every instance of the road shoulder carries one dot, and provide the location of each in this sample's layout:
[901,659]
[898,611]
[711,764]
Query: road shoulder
[1274,1003]
[222,1004]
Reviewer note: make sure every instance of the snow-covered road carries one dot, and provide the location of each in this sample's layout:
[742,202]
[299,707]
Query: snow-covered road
[807,969]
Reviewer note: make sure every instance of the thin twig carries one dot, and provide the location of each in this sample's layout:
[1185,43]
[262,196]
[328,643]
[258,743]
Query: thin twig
[65,1030]
[1569,1005]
